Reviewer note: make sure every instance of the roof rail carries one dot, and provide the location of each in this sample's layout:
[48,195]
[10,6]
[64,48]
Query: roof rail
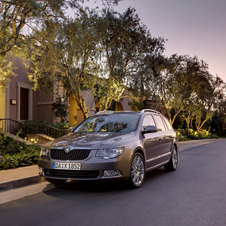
[150,110]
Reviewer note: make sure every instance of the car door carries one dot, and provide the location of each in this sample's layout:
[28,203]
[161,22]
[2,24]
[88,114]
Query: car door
[165,138]
[150,142]
[169,133]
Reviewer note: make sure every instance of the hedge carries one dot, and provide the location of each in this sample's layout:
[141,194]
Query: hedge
[20,159]
[15,154]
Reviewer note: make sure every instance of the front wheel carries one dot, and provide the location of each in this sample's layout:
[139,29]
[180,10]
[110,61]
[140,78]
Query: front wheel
[172,164]
[137,173]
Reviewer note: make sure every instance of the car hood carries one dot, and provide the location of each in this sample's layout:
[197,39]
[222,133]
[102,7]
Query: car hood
[91,140]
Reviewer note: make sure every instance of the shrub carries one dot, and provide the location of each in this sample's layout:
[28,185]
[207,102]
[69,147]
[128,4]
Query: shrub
[20,159]
[194,135]
[182,136]
[15,154]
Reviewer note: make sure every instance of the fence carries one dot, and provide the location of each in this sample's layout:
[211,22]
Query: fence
[33,130]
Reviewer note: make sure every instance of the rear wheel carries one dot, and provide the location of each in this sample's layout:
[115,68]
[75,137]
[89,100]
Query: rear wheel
[172,164]
[56,181]
[137,173]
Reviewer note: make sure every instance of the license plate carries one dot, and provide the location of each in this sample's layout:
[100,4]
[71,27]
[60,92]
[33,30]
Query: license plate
[66,166]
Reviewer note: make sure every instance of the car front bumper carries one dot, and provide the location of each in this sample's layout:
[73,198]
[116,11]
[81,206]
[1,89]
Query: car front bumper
[92,168]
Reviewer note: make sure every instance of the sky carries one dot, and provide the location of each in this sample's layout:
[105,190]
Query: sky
[192,27]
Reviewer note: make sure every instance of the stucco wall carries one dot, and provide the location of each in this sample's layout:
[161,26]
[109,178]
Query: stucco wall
[18,81]
[125,104]
[75,113]
[73,106]
[2,104]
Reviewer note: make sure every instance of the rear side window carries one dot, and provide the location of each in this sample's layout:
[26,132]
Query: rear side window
[159,122]
[148,121]
[168,124]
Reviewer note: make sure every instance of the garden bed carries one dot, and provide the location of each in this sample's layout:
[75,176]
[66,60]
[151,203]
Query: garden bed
[16,154]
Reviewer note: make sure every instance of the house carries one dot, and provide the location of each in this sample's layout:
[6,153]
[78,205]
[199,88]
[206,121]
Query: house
[20,102]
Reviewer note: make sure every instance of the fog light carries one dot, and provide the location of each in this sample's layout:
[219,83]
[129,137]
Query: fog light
[112,173]
[40,171]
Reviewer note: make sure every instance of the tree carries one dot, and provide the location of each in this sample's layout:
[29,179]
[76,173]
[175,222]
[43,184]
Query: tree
[90,54]
[124,40]
[163,85]
[6,72]
[16,16]
[20,21]
[71,57]
[196,85]
[181,84]
[214,95]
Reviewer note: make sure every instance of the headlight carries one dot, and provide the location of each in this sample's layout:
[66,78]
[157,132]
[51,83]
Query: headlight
[109,153]
[44,151]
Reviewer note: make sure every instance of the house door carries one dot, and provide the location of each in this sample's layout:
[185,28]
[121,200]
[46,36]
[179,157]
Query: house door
[24,103]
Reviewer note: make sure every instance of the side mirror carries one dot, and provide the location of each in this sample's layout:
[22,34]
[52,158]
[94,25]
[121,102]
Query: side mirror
[150,129]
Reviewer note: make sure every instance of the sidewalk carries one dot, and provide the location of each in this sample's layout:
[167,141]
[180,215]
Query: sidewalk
[19,177]
[23,176]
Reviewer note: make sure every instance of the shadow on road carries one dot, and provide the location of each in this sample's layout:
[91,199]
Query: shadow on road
[89,187]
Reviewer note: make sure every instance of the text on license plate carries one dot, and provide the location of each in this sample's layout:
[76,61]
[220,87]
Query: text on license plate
[66,166]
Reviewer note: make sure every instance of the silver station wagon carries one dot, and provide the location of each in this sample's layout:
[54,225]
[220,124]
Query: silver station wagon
[112,146]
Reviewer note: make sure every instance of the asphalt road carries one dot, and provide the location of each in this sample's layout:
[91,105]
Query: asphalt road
[194,195]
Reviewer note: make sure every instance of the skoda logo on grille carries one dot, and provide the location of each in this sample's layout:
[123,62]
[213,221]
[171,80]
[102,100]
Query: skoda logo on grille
[67,149]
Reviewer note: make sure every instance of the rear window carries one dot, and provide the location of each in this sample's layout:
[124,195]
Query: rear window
[168,124]
[159,122]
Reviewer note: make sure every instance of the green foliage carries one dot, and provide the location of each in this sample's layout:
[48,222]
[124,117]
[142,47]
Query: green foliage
[60,109]
[17,16]
[6,71]
[58,125]
[137,104]
[190,134]
[20,159]
[61,125]
[125,43]
[182,135]
[15,154]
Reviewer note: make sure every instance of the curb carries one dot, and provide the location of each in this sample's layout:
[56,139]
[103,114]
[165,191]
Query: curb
[20,183]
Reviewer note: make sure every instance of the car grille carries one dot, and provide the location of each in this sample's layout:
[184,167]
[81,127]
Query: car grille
[72,174]
[75,154]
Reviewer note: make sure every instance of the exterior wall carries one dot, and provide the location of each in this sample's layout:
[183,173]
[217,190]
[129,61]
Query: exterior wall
[39,104]
[45,113]
[150,104]
[44,107]
[75,113]
[125,104]
[13,92]
[73,106]
[2,104]
[45,103]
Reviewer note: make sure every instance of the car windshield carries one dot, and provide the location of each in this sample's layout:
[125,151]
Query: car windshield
[109,123]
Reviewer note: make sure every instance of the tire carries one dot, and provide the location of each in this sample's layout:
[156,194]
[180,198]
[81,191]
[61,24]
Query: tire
[137,171]
[56,181]
[172,164]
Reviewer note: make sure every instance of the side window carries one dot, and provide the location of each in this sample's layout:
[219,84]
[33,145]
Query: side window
[159,122]
[168,124]
[148,121]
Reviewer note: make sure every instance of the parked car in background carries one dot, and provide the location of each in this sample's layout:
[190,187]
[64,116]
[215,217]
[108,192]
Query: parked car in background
[112,146]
